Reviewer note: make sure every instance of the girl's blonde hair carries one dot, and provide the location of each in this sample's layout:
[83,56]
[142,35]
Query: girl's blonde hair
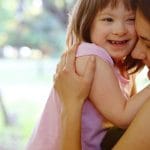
[81,19]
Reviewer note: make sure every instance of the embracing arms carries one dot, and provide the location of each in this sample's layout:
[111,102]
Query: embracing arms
[136,136]
[107,96]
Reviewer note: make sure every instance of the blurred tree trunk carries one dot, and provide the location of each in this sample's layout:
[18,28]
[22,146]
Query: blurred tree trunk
[7,120]
[61,13]
[20,10]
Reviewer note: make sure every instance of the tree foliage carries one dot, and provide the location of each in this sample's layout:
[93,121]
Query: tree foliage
[39,24]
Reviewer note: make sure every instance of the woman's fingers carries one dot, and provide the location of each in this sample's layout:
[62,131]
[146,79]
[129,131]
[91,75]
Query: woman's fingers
[67,60]
[70,58]
[62,63]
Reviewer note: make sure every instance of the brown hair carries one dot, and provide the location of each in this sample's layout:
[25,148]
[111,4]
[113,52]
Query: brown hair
[144,7]
[82,16]
[81,19]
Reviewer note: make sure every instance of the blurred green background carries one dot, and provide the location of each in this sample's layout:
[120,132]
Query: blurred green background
[32,38]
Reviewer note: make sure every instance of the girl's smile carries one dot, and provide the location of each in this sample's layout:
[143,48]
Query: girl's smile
[114,31]
[118,43]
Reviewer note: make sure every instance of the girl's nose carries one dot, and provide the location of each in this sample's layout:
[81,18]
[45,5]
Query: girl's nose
[119,29]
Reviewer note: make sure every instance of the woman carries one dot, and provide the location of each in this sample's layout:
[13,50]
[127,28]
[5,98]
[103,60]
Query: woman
[73,101]
[138,134]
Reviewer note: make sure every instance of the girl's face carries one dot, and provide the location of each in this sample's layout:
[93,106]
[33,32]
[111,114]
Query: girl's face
[114,30]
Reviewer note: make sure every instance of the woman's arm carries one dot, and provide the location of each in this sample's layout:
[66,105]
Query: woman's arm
[73,90]
[71,127]
[137,135]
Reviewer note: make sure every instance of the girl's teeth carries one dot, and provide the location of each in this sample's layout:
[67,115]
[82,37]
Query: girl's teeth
[118,42]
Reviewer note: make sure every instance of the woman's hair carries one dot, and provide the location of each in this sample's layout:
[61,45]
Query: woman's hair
[81,19]
[144,7]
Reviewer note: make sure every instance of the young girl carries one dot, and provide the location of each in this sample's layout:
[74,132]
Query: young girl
[109,25]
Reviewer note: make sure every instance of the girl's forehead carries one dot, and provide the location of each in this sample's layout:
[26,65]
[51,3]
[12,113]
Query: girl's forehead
[118,11]
[120,6]
[113,4]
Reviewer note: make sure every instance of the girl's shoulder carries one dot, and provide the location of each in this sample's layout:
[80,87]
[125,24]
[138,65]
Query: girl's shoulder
[86,49]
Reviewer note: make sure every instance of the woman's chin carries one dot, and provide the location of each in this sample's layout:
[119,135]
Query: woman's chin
[148,74]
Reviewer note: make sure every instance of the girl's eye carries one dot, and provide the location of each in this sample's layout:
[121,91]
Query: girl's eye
[108,19]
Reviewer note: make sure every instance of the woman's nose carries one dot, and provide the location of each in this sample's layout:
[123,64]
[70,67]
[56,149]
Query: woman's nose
[139,52]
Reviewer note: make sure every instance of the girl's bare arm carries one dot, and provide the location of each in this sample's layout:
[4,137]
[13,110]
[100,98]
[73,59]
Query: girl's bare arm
[107,96]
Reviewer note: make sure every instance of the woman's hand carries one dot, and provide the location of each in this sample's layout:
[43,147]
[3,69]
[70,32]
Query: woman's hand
[71,86]
[72,89]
